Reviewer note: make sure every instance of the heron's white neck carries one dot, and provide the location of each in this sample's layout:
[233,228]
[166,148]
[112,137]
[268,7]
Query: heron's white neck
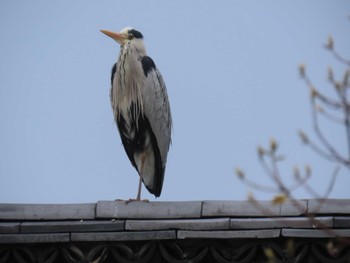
[127,84]
[137,47]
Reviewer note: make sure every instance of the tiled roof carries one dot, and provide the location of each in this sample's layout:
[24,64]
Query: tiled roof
[116,222]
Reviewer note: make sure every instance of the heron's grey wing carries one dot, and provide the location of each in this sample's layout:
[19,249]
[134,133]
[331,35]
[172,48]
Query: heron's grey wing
[157,109]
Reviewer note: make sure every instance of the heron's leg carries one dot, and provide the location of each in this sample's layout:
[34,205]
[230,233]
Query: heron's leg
[138,197]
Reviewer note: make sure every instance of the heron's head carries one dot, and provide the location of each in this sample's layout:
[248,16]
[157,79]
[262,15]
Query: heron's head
[125,36]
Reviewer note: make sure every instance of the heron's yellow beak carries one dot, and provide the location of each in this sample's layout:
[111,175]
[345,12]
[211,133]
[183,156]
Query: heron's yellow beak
[120,38]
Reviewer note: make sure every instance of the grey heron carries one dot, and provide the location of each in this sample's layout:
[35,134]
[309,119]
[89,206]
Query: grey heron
[141,109]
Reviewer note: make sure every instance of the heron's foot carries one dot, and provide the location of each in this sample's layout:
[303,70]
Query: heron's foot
[136,200]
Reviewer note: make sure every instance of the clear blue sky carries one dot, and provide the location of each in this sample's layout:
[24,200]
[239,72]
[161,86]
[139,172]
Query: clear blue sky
[231,72]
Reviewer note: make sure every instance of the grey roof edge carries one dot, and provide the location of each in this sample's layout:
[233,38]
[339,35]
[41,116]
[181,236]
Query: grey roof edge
[171,210]
[121,221]
[149,210]
[22,212]
[253,209]
[329,206]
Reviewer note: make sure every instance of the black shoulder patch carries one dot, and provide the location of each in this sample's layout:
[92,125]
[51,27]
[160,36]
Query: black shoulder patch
[114,69]
[147,65]
[135,33]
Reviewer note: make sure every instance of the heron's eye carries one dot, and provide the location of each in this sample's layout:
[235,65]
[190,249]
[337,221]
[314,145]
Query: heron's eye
[130,37]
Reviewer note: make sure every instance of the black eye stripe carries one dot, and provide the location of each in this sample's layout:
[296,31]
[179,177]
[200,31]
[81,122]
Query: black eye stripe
[135,33]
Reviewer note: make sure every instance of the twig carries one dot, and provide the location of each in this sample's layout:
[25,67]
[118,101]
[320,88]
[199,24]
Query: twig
[329,116]
[330,102]
[300,181]
[323,139]
[332,182]
[347,120]
[339,57]
[259,187]
[316,94]
[314,193]
[347,127]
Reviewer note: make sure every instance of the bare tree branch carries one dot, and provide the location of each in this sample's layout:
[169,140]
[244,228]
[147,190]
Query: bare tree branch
[320,106]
